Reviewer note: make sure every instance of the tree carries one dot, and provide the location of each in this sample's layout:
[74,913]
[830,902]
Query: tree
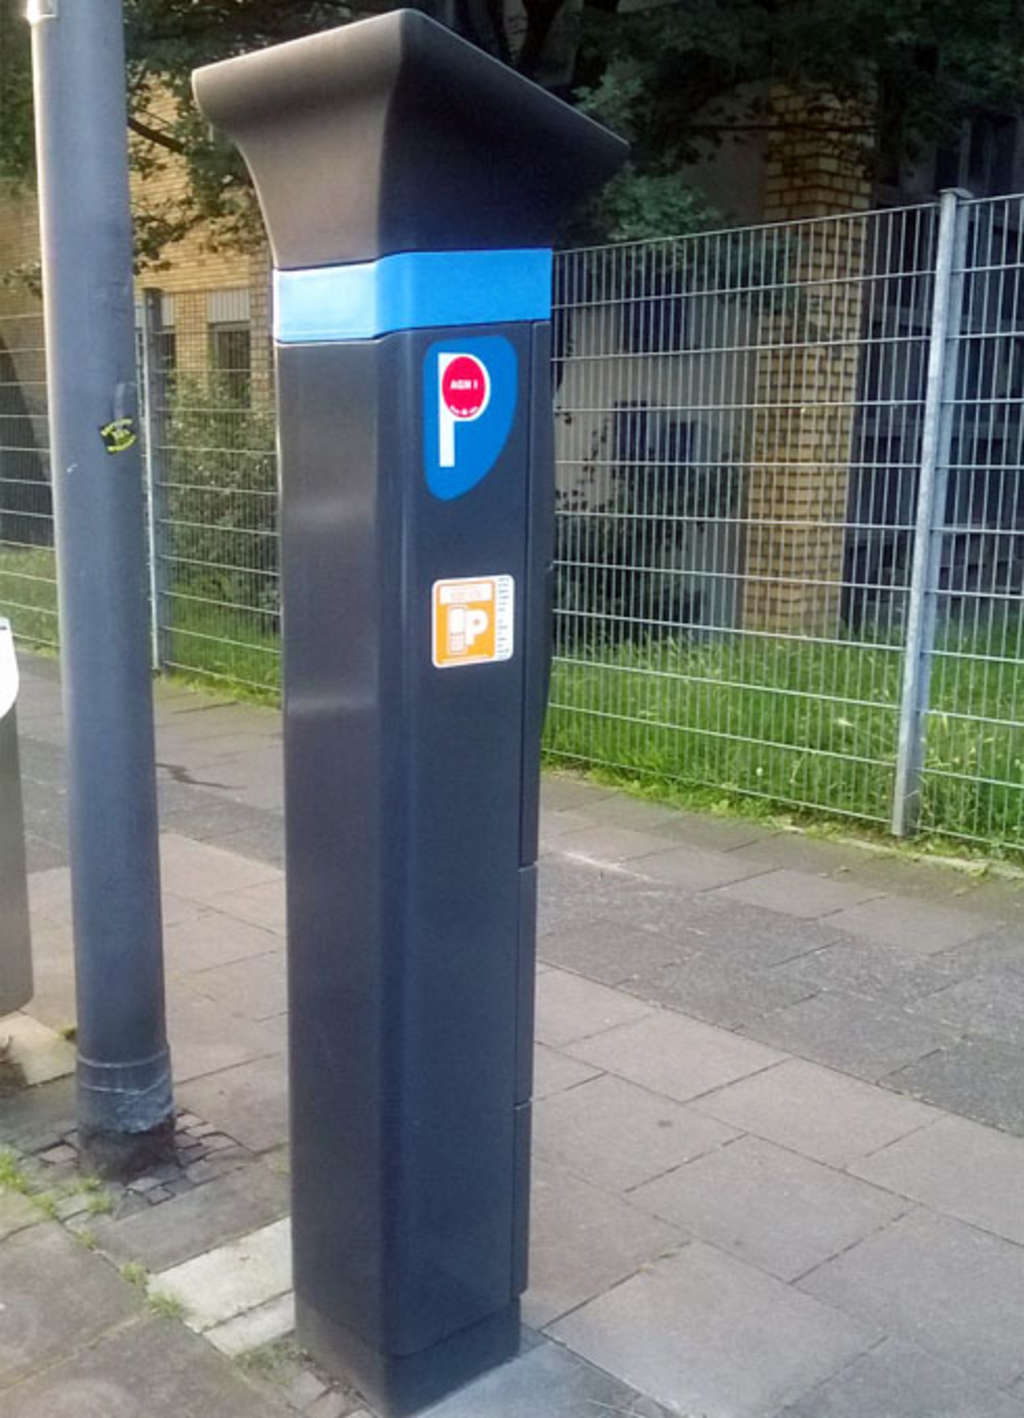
[678,78]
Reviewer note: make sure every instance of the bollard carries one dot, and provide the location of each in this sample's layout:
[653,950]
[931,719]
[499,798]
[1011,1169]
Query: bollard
[15,939]
[410,185]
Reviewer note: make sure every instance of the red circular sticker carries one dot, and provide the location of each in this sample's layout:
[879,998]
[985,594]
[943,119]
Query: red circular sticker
[464,387]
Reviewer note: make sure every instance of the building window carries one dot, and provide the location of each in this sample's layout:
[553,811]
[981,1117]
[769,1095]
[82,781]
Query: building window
[231,357]
[230,333]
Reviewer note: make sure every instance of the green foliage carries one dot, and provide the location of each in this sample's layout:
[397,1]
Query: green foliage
[135,1273]
[678,79]
[220,475]
[28,593]
[15,94]
[758,717]
[167,1306]
[639,206]
[12,1178]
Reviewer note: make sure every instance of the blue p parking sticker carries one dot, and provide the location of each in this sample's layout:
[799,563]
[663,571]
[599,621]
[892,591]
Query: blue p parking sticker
[470,391]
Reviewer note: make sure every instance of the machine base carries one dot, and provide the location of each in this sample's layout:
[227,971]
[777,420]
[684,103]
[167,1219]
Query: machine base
[401,1384]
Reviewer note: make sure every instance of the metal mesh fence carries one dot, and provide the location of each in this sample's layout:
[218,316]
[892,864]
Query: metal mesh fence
[28,584]
[213,474]
[738,426]
[789,508]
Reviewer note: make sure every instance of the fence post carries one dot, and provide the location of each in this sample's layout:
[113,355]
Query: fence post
[154,404]
[936,440]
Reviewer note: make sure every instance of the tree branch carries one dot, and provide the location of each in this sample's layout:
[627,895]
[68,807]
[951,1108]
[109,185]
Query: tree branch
[154,135]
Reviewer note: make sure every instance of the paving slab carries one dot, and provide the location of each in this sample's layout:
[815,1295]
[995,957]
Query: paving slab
[610,843]
[53,1001]
[41,854]
[899,871]
[617,1135]
[201,1043]
[249,1101]
[232,1278]
[263,1325]
[954,1290]
[673,1055]
[977,1078]
[55,1296]
[554,1072]
[546,1382]
[570,892]
[569,1007]
[851,1033]
[703,1333]
[795,850]
[335,1405]
[887,973]
[38,1051]
[164,1236]
[202,872]
[555,824]
[624,810]
[207,762]
[915,925]
[724,831]
[49,897]
[153,1369]
[211,938]
[209,814]
[690,869]
[582,1241]
[17,1213]
[973,1173]
[899,1380]
[989,1005]
[565,790]
[260,839]
[716,988]
[817,1112]
[995,895]
[609,951]
[631,902]
[996,949]
[262,905]
[254,988]
[769,1206]
[751,935]
[798,893]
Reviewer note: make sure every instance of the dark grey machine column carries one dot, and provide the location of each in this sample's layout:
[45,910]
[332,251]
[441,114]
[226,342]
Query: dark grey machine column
[411,186]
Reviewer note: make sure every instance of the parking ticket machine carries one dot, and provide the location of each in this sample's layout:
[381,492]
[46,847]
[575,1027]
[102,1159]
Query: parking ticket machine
[411,186]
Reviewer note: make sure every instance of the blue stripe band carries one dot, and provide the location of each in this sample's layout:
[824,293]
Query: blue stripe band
[413,290]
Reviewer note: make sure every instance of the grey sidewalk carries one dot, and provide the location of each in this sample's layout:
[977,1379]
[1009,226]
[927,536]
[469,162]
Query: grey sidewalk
[742,1205]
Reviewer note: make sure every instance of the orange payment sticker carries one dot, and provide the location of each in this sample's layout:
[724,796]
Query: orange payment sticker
[473,621]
